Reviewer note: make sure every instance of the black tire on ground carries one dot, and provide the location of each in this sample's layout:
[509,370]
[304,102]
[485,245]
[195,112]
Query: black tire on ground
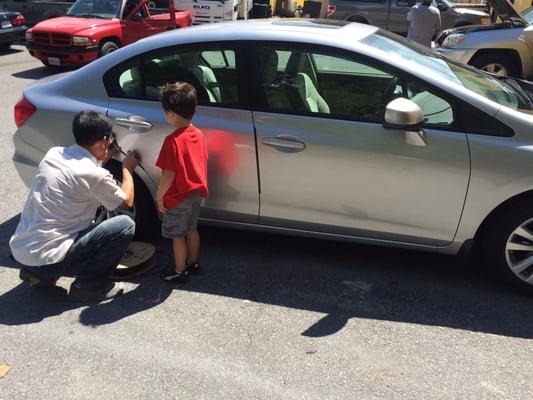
[5,46]
[107,47]
[494,241]
[147,225]
[482,61]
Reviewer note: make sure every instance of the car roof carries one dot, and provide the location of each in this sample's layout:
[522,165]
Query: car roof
[300,29]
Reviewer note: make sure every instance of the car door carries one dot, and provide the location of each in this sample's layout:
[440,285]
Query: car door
[222,114]
[326,162]
[137,24]
[398,16]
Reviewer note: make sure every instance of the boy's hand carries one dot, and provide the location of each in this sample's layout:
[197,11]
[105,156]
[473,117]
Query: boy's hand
[161,205]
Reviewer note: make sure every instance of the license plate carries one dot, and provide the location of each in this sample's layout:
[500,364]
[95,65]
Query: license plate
[54,61]
[6,24]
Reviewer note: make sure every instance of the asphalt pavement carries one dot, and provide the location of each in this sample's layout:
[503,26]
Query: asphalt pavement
[272,317]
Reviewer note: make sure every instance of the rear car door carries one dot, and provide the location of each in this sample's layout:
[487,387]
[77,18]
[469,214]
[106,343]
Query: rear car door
[326,162]
[222,114]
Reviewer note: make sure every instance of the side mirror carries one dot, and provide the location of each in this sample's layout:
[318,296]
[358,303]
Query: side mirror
[136,18]
[405,115]
[442,7]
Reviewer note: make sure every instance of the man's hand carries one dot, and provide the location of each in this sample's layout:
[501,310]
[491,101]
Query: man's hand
[161,205]
[131,160]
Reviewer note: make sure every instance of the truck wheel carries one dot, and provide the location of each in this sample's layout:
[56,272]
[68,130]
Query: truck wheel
[495,63]
[106,48]
[507,245]
[360,20]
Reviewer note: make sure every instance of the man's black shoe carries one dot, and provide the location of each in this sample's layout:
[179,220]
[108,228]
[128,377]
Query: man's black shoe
[35,280]
[171,275]
[109,290]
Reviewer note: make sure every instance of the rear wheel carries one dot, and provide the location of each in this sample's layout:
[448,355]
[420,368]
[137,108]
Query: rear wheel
[508,245]
[147,226]
[107,47]
[360,20]
[496,63]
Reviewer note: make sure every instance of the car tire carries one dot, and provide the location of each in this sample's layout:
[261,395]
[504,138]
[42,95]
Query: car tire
[360,20]
[5,46]
[505,242]
[107,47]
[496,63]
[147,225]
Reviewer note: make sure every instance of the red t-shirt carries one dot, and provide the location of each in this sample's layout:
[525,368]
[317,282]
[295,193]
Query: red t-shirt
[185,153]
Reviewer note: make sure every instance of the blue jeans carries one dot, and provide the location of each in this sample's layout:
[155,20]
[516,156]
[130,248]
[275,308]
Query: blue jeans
[95,254]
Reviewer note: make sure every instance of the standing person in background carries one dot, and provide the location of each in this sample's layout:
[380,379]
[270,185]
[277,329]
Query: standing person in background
[424,22]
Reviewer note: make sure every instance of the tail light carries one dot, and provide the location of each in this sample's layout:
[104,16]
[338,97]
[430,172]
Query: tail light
[23,111]
[331,9]
[18,20]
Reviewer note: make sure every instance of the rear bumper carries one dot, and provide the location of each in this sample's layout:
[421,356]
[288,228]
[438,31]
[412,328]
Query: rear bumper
[67,54]
[12,35]
[26,159]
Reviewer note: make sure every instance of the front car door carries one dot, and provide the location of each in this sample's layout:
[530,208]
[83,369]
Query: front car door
[222,114]
[137,23]
[326,162]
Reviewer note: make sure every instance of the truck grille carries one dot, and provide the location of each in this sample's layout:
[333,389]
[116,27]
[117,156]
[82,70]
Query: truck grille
[51,39]
[200,20]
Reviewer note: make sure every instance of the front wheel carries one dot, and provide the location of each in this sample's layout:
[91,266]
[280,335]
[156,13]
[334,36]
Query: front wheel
[106,48]
[495,63]
[508,245]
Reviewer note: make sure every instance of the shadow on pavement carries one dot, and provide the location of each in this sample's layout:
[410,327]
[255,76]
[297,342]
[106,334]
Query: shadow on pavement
[37,73]
[9,50]
[340,280]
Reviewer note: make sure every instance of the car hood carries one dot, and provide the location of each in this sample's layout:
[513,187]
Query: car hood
[70,25]
[506,11]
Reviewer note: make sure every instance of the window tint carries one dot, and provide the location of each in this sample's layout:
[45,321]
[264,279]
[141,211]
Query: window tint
[211,72]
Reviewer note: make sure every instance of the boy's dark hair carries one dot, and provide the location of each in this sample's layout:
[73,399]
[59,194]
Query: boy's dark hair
[90,126]
[180,98]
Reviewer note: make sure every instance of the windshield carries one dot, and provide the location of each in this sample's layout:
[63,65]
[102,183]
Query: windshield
[106,9]
[528,15]
[405,52]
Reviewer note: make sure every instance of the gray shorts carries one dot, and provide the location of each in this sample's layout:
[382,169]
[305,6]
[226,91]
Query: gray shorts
[184,217]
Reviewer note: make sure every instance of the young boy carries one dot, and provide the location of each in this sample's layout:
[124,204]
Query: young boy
[183,162]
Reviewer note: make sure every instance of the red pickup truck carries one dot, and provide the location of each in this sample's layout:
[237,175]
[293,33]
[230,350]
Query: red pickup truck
[94,28]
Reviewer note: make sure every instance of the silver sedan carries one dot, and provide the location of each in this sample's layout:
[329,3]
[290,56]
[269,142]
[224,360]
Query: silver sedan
[318,128]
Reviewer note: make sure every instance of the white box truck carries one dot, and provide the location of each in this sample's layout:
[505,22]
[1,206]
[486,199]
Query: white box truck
[210,11]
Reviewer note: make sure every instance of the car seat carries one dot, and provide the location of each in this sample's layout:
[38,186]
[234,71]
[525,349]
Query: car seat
[312,100]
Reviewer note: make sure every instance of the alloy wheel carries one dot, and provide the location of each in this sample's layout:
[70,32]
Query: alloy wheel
[496,69]
[519,252]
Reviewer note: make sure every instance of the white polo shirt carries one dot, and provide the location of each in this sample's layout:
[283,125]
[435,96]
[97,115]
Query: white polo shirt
[65,194]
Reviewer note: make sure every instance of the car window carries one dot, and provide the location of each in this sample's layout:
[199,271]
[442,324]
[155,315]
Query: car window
[212,73]
[436,110]
[340,87]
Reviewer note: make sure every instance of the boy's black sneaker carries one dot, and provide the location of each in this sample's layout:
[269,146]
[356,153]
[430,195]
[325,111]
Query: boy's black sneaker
[171,275]
[194,269]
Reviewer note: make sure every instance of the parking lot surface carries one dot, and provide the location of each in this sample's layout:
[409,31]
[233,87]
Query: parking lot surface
[272,317]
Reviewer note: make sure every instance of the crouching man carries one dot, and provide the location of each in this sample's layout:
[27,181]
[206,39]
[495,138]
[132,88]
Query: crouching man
[56,235]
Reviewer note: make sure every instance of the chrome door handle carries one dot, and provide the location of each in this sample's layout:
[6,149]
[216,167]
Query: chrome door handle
[134,123]
[287,142]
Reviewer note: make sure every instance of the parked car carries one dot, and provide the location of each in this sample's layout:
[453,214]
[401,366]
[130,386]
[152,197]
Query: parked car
[368,139]
[38,10]
[12,28]
[94,28]
[504,48]
[392,14]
